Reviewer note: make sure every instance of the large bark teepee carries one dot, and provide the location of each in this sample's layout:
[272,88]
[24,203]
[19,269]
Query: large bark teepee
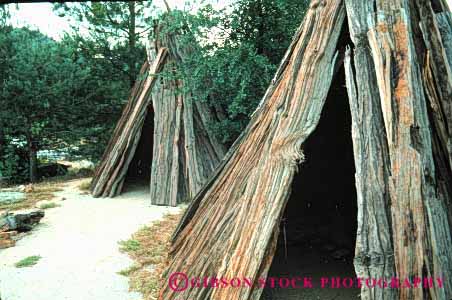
[399,85]
[181,152]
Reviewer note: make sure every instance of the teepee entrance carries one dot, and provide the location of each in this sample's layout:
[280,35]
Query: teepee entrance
[139,172]
[318,228]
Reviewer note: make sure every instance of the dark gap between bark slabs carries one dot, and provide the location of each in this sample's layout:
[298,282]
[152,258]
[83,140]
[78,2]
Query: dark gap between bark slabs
[320,218]
[139,172]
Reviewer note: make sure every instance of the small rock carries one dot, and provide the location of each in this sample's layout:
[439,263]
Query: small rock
[20,221]
[4,225]
[10,197]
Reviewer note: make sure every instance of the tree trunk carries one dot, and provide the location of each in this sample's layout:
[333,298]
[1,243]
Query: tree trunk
[33,158]
[2,147]
[2,138]
[132,42]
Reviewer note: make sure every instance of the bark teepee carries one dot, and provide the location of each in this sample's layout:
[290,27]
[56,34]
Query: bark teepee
[397,57]
[181,152]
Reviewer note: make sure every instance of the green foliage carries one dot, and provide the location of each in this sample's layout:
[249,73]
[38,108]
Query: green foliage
[129,245]
[4,14]
[129,270]
[115,31]
[55,95]
[28,261]
[100,99]
[234,78]
[233,57]
[13,163]
[268,25]
[39,78]
[69,94]
[113,51]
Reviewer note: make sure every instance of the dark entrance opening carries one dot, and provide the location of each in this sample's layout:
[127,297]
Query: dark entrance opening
[138,175]
[318,230]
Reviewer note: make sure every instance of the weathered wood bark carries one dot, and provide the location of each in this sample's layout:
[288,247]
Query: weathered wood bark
[421,230]
[441,133]
[110,173]
[184,151]
[399,85]
[233,231]
[374,247]
[358,15]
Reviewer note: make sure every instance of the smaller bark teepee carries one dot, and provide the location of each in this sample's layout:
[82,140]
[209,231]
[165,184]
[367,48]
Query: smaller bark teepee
[395,57]
[184,152]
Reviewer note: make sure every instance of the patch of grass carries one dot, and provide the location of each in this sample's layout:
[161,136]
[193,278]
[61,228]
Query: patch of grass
[149,248]
[129,245]
[49,205]
[129,270]
[34,193]
[85,185]
[27,261]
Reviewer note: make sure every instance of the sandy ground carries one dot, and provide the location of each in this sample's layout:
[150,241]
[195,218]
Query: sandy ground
[78,243]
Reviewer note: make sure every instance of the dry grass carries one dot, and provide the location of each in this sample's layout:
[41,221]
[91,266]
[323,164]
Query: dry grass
[34,193]
[149,247]
[85,185]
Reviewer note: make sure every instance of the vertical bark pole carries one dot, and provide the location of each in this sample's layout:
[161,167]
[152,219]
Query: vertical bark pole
[438,106]
[201,145]
[168,186]
[421,232]
[195,175]
[444,23]
[374,255]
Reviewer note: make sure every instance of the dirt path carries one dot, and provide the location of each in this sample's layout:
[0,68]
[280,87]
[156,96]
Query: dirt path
[78,243]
